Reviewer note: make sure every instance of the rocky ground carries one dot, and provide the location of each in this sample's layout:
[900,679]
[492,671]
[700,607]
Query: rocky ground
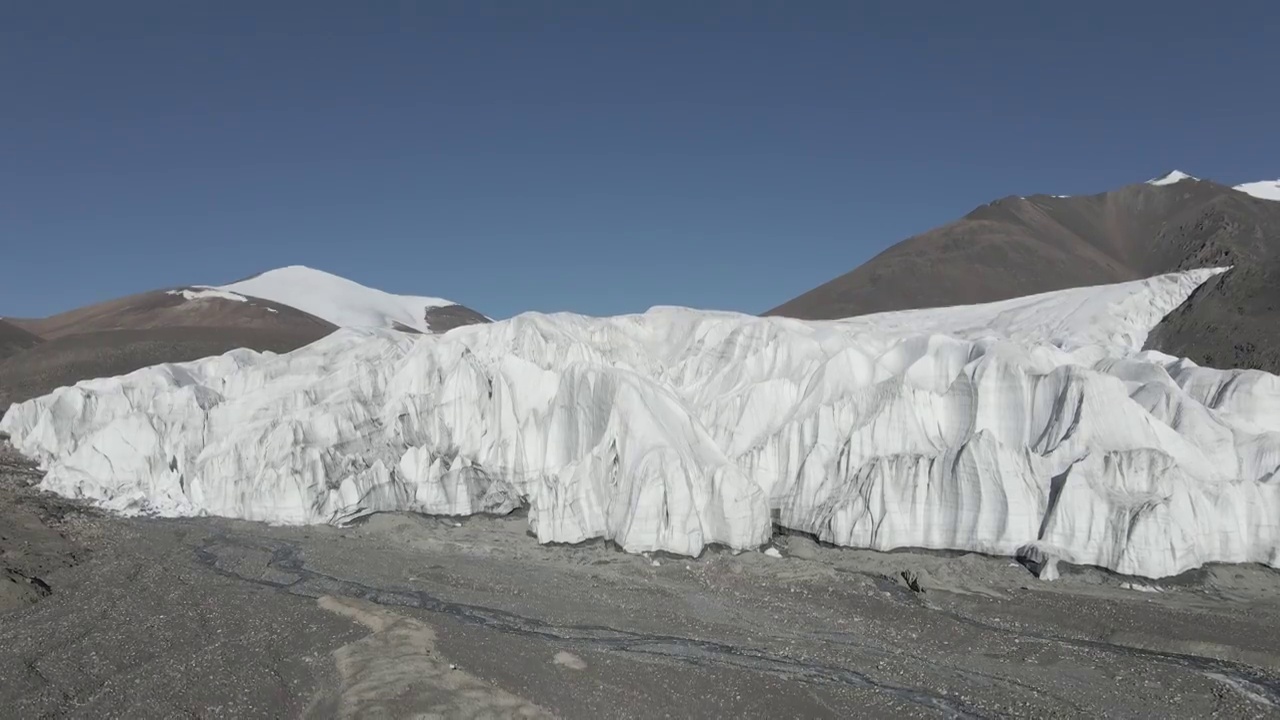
[401,615]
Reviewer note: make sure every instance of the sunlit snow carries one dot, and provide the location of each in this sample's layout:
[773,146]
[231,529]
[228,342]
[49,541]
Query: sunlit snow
[203,293]
[1171,178]
[1031,426]
[341,301]
[1266,189]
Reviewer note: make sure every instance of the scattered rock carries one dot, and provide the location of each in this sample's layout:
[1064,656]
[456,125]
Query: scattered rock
[1040,563]
[1141,587]
[917,581]
[569,660]
[802,548]
[773,552]
[18,590]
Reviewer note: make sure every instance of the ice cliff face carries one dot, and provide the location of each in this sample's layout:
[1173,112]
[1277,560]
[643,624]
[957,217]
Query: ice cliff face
[1032,425]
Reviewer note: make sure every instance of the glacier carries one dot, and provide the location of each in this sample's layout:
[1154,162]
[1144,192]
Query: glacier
[1032,427]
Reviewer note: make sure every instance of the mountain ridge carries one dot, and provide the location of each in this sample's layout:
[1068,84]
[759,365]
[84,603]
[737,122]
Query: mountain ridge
[183,323]
[1026,245]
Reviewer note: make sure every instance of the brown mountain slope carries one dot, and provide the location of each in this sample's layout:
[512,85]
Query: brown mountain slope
[122,335]
[14,339]
[1233,320]
[125,334]
[173,308]
[1020,246]
[69,359]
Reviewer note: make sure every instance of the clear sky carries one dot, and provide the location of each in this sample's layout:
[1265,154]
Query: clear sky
[558,156]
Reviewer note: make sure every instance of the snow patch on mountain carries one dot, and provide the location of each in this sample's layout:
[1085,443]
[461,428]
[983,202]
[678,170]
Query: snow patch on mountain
[201,292]
[1115,318]
[343,302]
[1265,189]
[1171,178]
[1028,427]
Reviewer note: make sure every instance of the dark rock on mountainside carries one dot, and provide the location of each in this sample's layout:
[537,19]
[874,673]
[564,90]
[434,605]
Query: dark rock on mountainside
[443,318]
[447,317]
[1021,246]
[1231,321]
[14,339]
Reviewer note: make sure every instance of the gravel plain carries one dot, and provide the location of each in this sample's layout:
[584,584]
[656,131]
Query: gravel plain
[408,616]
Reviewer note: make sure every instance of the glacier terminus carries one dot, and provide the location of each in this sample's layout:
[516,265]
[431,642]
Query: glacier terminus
[1033,427]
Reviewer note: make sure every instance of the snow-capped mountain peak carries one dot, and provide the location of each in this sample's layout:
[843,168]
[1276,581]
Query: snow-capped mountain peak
[343,302]
[1170,178]
[1265,189]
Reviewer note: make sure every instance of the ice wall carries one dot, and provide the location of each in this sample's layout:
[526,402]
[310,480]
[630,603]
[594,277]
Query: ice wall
[1030,425]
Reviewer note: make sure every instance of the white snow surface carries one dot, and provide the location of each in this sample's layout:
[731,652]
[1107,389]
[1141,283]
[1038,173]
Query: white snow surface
[1265,189]
[204,293]
[343,302]
[1033,426]
[1171,178]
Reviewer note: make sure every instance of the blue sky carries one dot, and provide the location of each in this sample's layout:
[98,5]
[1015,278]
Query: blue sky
[560,156]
